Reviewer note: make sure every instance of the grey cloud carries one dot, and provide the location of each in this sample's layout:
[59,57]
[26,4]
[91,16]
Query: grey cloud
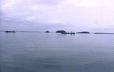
[19,25]
[57,10]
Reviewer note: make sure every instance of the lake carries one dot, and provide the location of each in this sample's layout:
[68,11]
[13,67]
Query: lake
[52,52]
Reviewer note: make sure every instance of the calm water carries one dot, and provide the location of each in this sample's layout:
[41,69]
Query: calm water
[41,52]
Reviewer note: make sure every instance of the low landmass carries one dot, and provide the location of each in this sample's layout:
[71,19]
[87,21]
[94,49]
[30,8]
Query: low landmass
[83,32]
[58,31]
[102,33]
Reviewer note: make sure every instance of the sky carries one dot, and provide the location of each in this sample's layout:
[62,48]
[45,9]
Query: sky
[57,14]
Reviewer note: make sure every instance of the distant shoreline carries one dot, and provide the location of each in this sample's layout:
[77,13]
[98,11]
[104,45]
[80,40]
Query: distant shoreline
[55,32]
[103,33]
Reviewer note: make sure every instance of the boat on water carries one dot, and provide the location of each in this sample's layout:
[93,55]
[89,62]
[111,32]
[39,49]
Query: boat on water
[10,31]
[68,33]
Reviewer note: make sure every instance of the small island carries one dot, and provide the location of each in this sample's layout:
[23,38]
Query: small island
[47,31]
[60,31]
[64,32]
[10,31]
[83,32]
[102,33]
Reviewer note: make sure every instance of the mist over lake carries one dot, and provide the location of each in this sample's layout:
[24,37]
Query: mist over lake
[53,52]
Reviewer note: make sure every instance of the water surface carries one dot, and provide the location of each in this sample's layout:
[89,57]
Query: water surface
[51,52]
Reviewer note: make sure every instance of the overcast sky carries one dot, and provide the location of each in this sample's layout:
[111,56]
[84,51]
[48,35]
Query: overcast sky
[79,14]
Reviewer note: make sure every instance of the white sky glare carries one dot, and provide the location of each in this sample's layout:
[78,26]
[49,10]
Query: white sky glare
[88,14]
